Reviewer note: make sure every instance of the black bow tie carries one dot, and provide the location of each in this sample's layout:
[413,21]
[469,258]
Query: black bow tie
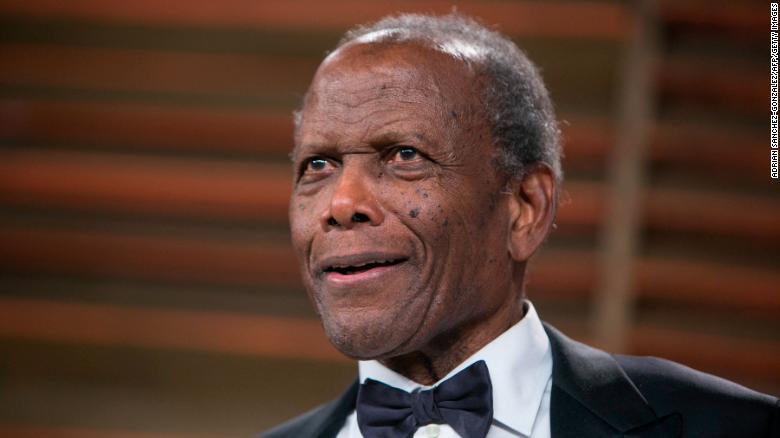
[464,401]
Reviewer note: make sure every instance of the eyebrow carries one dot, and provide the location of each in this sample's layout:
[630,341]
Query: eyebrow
[319,147]
[394,136]
[384,137]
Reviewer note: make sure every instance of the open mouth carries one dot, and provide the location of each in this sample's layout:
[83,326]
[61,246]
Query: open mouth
[363,267]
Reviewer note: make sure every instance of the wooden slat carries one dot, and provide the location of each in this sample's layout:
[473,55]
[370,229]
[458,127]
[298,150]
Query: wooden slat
[119,69]
[146,126]
[581,205]
[544,274]
[711,212]
[742,358]
[581,19]
[700,283]
[586,141]
[215,332]
[35,431]
[718,151]
[726,18]
[726,86]
[156,186]
[158,258]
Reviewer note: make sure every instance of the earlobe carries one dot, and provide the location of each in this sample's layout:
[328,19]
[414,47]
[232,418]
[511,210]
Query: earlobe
[532,211]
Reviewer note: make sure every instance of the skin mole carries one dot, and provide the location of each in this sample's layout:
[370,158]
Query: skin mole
[414,212]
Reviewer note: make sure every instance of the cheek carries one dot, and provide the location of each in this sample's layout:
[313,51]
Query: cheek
[423,210]
[303,221]
[469,223]
[453,209]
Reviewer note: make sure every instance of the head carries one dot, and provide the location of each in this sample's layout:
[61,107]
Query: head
[426,163]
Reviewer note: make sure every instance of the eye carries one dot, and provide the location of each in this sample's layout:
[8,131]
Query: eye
[314,168]
[405,153]
[316,164]
[408,163]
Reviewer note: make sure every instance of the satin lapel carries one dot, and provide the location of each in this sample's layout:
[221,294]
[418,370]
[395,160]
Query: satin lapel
[592,396]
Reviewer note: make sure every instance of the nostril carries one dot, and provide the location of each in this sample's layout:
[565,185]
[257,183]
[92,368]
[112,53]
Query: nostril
[332,222]
[359,217]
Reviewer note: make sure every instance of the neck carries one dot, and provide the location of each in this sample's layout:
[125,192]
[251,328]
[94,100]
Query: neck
[451,348]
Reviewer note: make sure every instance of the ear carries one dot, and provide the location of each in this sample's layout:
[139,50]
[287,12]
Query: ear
[532,211]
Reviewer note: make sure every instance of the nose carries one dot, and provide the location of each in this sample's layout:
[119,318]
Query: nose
[352,202]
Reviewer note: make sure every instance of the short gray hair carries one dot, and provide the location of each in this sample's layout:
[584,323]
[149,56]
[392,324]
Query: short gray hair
[516,102]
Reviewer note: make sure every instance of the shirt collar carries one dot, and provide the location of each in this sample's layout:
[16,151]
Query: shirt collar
[520,364]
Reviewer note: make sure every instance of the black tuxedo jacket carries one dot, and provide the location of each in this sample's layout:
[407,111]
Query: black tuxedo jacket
[596,394]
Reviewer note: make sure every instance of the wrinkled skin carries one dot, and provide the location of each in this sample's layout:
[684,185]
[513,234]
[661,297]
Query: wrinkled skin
[393,161]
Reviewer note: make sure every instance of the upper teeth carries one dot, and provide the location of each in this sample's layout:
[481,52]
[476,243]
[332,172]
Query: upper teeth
[362,264]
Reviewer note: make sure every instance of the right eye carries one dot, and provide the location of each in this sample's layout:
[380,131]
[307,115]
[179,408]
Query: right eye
[316,164]
[314,168]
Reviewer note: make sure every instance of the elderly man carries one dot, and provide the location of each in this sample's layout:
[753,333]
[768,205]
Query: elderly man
[426,167]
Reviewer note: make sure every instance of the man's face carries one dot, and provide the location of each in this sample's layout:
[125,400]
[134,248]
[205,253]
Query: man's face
[397,216]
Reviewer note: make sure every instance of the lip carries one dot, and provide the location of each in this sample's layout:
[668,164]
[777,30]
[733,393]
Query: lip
[339,279]
[357,259]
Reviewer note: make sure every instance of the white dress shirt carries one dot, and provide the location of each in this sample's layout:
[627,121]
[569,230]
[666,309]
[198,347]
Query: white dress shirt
[520,366]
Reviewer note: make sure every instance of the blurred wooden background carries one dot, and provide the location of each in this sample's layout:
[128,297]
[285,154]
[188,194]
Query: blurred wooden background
[147,287]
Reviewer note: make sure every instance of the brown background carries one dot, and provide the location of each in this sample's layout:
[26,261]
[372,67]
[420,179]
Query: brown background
[147,287]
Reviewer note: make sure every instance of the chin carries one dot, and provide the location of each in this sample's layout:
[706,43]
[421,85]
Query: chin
[362,337]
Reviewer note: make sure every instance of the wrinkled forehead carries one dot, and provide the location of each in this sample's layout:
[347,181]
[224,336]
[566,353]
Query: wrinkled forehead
[367,83]
[404,67]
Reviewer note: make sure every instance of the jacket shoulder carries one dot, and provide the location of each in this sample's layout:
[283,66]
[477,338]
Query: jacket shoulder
[710,405]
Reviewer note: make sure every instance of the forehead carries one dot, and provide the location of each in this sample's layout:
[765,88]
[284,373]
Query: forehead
[414,55]
[370,84]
